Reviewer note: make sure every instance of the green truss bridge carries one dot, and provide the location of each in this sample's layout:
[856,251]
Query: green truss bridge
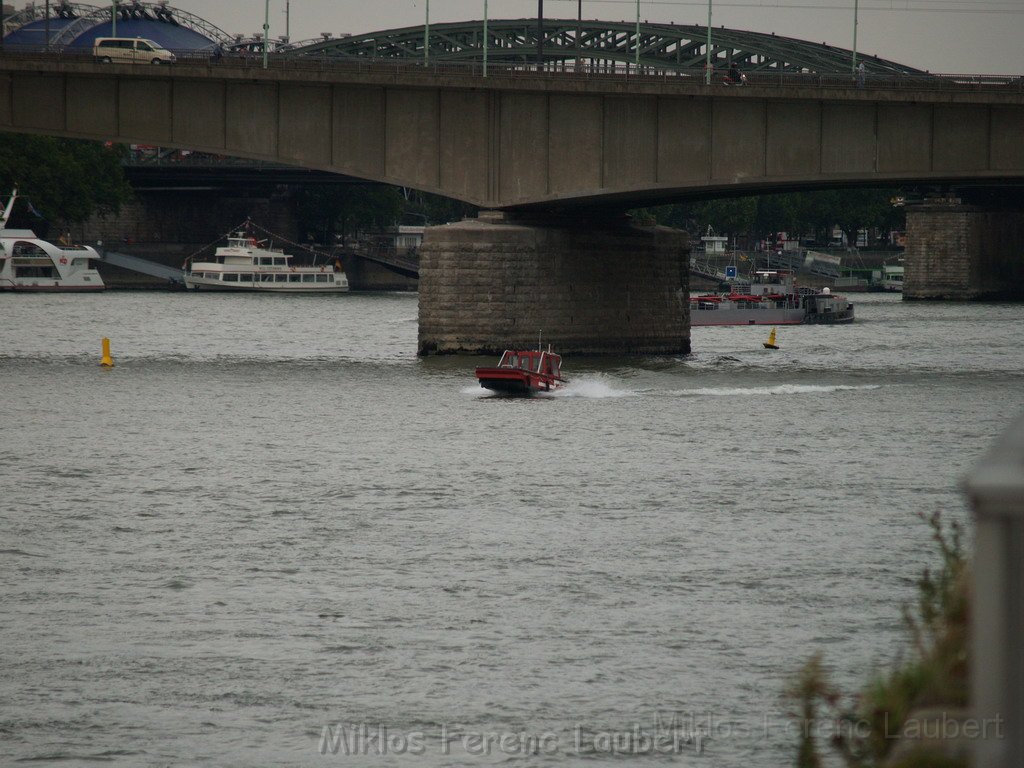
[596,46]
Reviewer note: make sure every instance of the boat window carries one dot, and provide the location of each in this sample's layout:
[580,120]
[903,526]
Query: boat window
[280,262]
[330,278]
[321,278]
[266,278]
[35,272]
[309,278]
[280,278]
[509,360]
[294,278]
[245,278]
[230,278]
[28,249]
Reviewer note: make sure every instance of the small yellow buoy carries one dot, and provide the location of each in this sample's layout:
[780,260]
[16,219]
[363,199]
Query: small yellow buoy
[770,344]
[106,361]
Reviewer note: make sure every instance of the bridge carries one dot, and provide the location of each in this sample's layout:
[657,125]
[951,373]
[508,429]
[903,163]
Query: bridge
[553,142]
[523,138]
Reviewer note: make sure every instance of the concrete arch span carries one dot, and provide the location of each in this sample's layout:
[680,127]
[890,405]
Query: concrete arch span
[526,140]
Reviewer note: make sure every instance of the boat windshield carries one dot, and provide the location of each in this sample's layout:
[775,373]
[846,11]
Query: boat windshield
[552,363]
[537,362]
[524,361]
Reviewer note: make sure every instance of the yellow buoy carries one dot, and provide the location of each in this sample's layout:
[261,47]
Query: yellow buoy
[106,361]
[770,344]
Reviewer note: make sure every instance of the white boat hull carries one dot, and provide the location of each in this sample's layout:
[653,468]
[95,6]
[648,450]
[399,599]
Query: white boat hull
[57,286]
[204,284]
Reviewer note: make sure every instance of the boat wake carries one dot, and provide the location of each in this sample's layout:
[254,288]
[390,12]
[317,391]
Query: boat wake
[591,387]
[780,389]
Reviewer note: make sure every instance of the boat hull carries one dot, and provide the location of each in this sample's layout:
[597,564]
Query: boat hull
[515,382]
[202,284]
[771,316]
[830,318]
[701,317]
[36,288]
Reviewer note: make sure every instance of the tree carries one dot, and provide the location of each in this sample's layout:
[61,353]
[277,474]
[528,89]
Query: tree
[434,209]
[732,215]
[798,213]
[849,209]
[64,179]
[778,213]
[346,209]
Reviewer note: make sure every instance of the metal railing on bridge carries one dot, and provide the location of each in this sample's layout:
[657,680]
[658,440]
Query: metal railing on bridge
[557,71]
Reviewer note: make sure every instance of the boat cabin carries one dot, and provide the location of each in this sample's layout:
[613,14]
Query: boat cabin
[772,282]
[536,361]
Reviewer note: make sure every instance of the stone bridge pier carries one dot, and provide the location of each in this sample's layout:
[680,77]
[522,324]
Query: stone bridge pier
[963,252]
[584,285]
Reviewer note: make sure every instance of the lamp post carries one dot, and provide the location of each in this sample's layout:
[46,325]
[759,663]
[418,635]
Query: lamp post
[288,19]
[637,46]
[485,38]
[426,36]
[46,28]
[853,66]
[113,19]
[579,32]
[540,35]
[266,32]
[707,65]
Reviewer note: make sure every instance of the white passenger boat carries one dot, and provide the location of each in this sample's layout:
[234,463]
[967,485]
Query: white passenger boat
[246,265]
[30,264]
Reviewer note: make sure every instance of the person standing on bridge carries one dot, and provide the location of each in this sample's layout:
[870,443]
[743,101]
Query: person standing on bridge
[860,75]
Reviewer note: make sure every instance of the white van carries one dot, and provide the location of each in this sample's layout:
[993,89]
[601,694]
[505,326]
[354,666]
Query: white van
[130,50]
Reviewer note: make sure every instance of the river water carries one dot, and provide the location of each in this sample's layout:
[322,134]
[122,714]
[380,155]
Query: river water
[271,525]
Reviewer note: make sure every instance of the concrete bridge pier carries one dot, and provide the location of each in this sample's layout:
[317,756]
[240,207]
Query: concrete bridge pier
[587,286]
[963,252]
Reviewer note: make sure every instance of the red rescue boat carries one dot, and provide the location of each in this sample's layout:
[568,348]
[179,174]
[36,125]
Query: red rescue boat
[523,372]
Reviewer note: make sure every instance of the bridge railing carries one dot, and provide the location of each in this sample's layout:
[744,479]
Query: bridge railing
[557,71]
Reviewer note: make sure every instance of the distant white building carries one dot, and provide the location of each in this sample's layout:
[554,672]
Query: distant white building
[406,237]
[714,243]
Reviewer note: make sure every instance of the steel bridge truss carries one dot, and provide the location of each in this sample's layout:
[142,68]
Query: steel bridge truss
[599,46]
[88,16]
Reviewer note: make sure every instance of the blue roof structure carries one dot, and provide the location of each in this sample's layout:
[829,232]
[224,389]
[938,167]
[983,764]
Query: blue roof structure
[34,33]
[170,36]
[77,25]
